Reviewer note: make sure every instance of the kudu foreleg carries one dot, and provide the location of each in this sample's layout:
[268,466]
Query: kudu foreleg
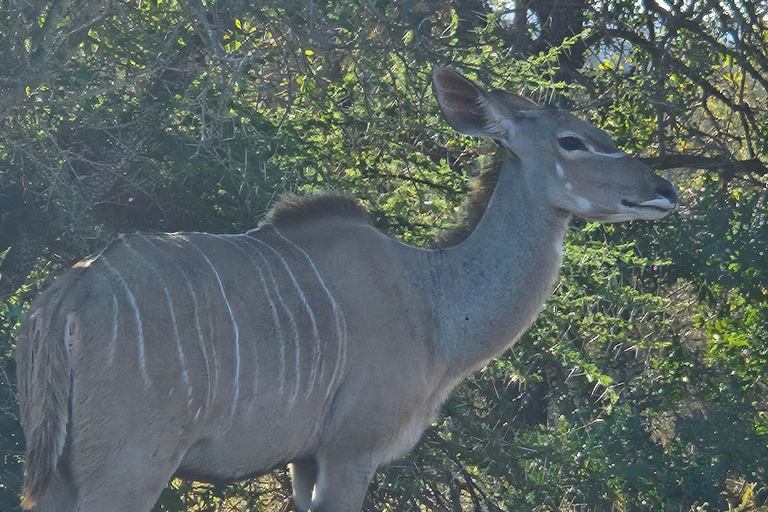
[341,484]
[303,478]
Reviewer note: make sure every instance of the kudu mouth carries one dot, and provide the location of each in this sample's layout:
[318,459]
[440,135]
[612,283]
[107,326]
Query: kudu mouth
[665,203]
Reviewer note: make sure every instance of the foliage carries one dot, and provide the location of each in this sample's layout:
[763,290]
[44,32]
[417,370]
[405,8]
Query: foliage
[640,387]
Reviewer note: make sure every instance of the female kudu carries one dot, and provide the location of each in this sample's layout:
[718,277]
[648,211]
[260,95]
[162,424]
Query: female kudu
[314,340]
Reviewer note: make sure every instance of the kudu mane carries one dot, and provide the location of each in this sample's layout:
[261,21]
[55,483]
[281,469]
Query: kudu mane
[474,206]
[292,209]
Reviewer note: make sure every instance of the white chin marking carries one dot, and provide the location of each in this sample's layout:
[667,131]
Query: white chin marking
[628,214]
[583,203]
[559,169]
[660,202]
[619,154]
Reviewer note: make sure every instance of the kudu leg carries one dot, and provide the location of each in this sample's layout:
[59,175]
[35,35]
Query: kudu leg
[341,485]
[303,478]
[129,478]
[131,493]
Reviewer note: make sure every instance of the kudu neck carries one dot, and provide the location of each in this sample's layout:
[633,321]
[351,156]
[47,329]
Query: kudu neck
[488,289]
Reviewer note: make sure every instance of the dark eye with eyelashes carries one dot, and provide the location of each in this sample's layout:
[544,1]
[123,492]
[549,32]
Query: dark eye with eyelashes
[571,143]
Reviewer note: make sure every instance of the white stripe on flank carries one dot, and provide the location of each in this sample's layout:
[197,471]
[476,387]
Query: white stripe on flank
[171,312]
[61,440]
[237,240]
[68,332]
[236,391]
[315,333]
[341,324]
[216,365]
[294,326]
[137,317]
[115,324]
[200,338]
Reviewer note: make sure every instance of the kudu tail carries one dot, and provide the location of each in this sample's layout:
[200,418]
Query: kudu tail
[44,374]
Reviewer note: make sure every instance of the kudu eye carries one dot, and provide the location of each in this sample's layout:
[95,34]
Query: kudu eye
[571,143]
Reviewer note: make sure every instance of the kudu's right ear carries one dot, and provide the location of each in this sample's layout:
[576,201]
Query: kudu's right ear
[467,107]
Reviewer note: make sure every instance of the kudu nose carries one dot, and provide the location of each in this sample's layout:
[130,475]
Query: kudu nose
[667,191]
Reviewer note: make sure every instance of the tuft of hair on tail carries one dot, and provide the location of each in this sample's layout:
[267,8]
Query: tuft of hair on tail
[44,378]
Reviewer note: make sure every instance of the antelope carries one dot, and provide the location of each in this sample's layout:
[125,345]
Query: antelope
[313,341]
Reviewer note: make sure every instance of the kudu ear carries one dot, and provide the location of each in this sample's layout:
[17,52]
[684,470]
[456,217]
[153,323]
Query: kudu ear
[472,110]
[463,103]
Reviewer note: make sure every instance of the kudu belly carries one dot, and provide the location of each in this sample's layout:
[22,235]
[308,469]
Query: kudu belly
[265,436]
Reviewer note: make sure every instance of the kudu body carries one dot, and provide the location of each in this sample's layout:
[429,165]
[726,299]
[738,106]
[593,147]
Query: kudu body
[314,340]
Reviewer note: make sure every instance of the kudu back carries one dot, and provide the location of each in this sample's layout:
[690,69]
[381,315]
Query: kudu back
[313,340]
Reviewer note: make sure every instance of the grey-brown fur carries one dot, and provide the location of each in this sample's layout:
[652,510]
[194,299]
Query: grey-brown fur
[293,209]
[313,341]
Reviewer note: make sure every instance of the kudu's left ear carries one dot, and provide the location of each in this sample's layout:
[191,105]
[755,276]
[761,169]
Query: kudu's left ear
[466,106]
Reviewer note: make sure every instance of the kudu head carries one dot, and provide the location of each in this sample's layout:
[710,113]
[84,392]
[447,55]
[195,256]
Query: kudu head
[568,164]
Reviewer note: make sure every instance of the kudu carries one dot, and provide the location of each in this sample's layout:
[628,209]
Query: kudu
[314,340]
